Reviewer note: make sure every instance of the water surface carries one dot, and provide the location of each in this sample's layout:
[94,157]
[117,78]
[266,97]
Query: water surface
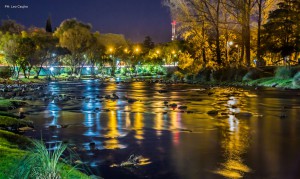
[223,132]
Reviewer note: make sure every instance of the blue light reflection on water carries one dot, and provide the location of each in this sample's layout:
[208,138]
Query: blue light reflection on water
[183,145]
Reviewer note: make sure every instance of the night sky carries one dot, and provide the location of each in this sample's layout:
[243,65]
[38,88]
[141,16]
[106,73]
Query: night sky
[133,18]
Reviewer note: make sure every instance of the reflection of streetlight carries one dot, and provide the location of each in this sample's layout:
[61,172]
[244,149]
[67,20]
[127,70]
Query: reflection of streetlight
[88,68]
[51,69]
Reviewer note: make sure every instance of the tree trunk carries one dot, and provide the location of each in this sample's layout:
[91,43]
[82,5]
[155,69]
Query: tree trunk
[218,49]
[258,52]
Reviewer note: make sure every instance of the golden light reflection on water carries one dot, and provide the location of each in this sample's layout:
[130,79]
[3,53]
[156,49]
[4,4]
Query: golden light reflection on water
[235,135]
[175,126]
[158,123]
[138,126]
[113,133]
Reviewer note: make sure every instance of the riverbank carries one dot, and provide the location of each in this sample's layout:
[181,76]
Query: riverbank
[13,150]
[13,147]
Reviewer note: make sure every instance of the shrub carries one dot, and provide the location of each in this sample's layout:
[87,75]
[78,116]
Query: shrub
[5,72]
[251,75]
[283,73]
[296,80]
[177,75]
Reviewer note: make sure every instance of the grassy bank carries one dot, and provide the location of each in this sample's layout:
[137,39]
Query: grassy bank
[7,104]
[13,147]
[12,151]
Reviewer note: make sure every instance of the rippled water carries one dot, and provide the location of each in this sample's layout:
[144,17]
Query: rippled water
[247,134]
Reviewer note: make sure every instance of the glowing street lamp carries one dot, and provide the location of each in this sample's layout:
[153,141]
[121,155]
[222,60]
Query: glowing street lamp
[137,50]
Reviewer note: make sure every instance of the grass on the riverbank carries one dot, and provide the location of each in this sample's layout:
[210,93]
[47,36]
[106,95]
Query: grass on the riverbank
[10,123]
[7,104]
[273,82]
[12,153]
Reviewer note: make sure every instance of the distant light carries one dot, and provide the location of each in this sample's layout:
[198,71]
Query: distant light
[157,51]
[110,56]
[53,54]
[230,43]
[51,68]
[96,68]
[88,68]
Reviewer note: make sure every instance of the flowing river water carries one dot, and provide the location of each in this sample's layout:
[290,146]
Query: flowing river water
[222,132]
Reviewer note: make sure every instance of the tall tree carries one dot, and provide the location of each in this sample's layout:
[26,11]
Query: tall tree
[281,32]
[76,37]
[48,27]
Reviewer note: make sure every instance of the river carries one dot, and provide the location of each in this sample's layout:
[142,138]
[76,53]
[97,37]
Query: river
[220,132]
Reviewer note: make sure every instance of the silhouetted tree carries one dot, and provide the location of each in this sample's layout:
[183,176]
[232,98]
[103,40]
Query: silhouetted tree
[49,25]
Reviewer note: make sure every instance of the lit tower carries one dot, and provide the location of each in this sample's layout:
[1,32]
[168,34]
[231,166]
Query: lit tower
[174,36]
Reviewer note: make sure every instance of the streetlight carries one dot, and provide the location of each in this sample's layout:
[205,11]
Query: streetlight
[137,49]
[230,43]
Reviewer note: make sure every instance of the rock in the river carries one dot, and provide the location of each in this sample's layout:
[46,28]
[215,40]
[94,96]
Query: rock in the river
[213,112]
[173,105]
[182,107]
[23,129]
[244,115]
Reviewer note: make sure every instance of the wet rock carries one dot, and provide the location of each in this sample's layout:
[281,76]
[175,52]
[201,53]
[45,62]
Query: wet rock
[210,93]
[21,115]
[65,126]
[283,115]
[274,85]
[182,107]
[213,112]
[131,100]
[163,91]
[173,105]
[244,115]
[52,127]
[23,129]
[115,96]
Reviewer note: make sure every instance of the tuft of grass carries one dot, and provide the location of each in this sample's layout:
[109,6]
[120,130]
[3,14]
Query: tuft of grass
[42,163]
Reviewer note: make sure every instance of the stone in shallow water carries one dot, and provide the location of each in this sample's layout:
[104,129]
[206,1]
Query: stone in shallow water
[213,112]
